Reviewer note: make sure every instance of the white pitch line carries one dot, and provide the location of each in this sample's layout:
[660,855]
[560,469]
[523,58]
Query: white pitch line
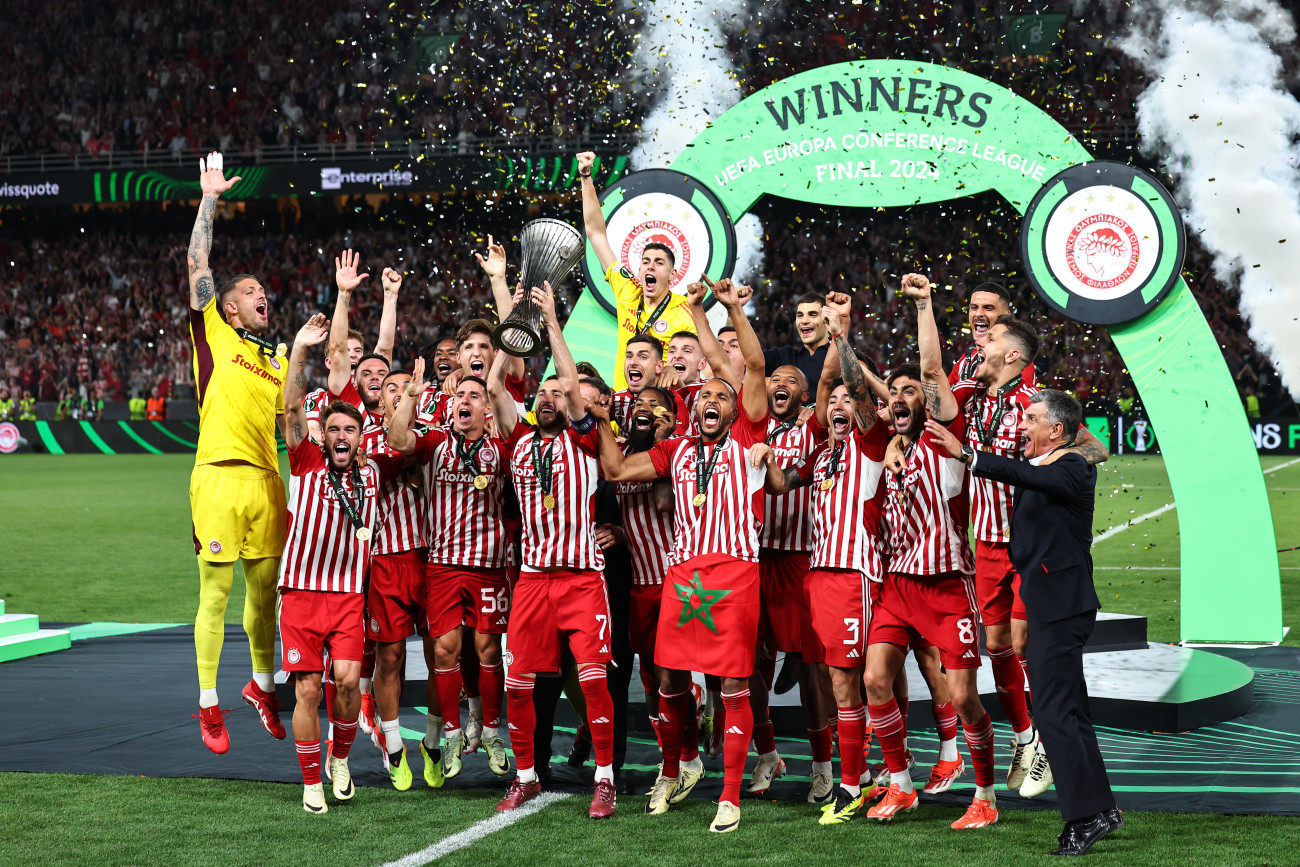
[1282,466]
[1114,531]
[477,831]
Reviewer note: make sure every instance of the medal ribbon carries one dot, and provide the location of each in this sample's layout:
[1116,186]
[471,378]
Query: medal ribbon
[468,456]
[834,465]
[542,463]
[784,426]
[703,471]
[352,510]
[985,431]
[264,346]
[654,316]
[899,487]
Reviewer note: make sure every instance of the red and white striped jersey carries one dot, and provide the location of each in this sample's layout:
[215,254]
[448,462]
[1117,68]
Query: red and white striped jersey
[562,537]
[729,519]
[466,527]
[323,551]
[993,425]
[352,396]
[688,394]
[787,523]
[403,506]
[926,511]
[313,402]
[649,531]
[434,408]
[620,411]
[846,518]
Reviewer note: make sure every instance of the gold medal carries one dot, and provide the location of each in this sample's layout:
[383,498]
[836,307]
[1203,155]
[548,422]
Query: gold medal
[986,448]
[1006,533]
[481,483]
[658,411]
[363,533]
[828,483]
[548,501]
[698,500]
[281,351]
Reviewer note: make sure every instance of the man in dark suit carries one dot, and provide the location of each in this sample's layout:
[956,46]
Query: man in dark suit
[1051,543]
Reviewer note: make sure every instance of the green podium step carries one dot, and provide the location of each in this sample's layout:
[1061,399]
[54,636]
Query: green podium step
[21,636]
[16,624]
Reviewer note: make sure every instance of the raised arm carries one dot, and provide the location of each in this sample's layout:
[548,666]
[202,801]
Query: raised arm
[392,280]
[1093,450]
[212,183]
[504,411]
[831,366]
[400,436]
[934,379]
[347,279]
[714,354]
[565,368]
[494,266]
[753,394]
[855,378]
[636,467]
[295,384]
[593,220]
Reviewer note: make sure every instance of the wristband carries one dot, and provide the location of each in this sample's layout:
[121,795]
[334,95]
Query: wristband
[585,424]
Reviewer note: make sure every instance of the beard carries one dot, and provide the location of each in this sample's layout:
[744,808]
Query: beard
[641,440]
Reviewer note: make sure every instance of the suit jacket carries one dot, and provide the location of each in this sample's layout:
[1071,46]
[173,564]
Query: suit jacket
[1051,531]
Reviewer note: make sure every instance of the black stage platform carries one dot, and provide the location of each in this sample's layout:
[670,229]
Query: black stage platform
[122,705]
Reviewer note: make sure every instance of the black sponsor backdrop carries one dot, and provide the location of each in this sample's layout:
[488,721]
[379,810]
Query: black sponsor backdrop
[1276,434]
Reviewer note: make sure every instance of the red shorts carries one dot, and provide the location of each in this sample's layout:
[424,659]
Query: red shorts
[937,608]
[643,618]
[840,602]
[708,621]
[783,616]
[458,596]
[395,596]
[997,584]
[315,621]
[551,608]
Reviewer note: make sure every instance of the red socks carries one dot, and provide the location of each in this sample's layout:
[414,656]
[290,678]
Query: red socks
[600,713]
[888,725]
[1010,680]
[764,737]
[979,738]
[852,729]
[1024,667]
[673,710]
[345,731]
[447,681]
[492,683]
[522,719]
[735,748]
[820,740]
[945,721]
[309,758]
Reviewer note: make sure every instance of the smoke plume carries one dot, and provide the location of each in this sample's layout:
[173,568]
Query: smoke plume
[1220,110]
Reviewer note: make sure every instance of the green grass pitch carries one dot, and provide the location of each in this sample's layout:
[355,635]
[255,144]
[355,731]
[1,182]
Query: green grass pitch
[108,538]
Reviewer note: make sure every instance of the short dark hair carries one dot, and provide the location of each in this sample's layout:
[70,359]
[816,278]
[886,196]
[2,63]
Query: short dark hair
[647,339]
[395,372]
[690,334]
[586,368]
[664,394]
[994,288]
[230,286]
[911,371]
[597,383]
[655,245]
[474,326]
[724,329]
[344,407]
[1022,334]
[369,355]
[811,298]
[472,378]
[1063,408]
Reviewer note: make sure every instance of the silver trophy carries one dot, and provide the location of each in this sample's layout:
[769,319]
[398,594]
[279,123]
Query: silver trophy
[549,250]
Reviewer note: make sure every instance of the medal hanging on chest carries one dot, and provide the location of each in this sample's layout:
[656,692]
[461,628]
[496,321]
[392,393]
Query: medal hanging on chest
[704,470]
[984,430]
[832,467]
[542,466]
[264,347]
[352,510]
[469,460]
[902,492]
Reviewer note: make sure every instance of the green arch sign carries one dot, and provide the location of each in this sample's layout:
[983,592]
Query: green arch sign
[889,133]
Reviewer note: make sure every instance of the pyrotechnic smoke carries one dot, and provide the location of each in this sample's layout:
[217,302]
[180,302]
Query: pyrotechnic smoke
[1220,109]
[682,57]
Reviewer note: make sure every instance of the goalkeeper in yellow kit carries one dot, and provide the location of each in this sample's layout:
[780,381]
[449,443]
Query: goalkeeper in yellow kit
[236,497]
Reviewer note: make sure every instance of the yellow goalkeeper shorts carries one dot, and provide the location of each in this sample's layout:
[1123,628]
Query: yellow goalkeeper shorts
[238,511]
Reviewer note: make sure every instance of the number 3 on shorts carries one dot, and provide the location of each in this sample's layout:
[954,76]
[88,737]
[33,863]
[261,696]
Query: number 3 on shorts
[966,630]
[854,625]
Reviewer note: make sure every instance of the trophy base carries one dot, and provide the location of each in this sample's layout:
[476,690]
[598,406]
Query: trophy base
[517,339]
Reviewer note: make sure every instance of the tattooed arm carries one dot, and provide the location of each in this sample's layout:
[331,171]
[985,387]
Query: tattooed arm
[213,183]
[295,384]
[838,305]
[1092,449]
[939,401]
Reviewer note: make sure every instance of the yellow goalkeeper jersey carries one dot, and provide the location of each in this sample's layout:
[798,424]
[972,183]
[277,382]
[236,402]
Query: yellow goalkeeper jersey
[628,294]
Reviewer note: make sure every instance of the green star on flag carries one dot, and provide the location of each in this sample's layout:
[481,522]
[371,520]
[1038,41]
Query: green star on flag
[696,602]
